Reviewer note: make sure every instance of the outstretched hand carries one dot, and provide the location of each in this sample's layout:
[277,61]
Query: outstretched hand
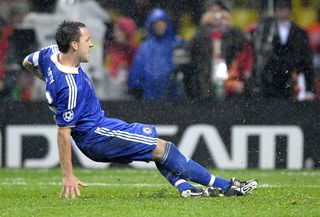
[70,186]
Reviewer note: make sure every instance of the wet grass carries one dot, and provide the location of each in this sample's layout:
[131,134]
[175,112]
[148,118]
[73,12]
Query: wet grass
[131,192]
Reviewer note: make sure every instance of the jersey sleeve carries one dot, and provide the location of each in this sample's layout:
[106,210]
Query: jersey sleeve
[34,58]
[69,107]
[39,58]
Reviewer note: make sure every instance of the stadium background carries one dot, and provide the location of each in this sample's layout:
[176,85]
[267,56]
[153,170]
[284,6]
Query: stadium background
[244,12]
[16,150]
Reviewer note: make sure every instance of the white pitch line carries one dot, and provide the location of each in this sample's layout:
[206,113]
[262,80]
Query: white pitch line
[287,173]
[23,183]
[286,186]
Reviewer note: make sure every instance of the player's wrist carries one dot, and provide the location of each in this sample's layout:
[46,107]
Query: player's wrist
[67,174]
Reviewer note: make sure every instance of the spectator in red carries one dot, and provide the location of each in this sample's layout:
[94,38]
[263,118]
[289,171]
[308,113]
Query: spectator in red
[240,73]
[313,31]
[240,70]
[120,52]
[5,33]
[16,84]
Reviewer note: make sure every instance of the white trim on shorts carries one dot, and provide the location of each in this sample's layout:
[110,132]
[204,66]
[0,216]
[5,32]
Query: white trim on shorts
[127,136]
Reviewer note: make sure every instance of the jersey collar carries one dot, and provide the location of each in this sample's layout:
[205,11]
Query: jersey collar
[64,69]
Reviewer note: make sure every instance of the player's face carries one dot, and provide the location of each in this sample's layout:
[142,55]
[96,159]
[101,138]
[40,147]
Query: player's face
[84,45]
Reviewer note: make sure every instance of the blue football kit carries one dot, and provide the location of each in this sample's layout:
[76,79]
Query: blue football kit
[73,101]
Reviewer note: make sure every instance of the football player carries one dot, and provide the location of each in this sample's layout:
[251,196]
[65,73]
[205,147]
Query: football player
[78,114]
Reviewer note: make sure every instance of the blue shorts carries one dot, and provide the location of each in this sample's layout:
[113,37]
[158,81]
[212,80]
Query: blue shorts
[117,141]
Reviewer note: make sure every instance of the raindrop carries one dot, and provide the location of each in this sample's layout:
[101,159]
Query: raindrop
[309,163]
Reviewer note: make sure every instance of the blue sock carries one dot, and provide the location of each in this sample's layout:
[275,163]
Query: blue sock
[222,183]
[188,169]
[176,162]
[174,180]
[183,185]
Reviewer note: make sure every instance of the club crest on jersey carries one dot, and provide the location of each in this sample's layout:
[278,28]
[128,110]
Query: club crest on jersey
[68,115]
[147,130]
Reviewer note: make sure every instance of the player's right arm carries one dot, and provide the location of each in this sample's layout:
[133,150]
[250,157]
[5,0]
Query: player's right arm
[68,111]
[70,182]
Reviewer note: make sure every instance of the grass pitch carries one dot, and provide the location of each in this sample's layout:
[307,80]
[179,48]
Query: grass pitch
[131,192]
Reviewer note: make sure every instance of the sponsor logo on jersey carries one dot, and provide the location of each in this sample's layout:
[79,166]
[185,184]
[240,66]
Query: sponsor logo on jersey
[50,75]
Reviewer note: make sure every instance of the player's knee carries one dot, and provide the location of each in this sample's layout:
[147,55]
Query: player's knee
[158,152]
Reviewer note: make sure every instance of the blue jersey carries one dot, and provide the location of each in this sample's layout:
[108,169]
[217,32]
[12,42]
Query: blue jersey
[69,92]
[72,99]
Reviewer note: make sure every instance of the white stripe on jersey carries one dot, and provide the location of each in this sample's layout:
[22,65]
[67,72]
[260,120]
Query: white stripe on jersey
[127,136]
[75,90]
[54,48]
[35,58]
[72,92]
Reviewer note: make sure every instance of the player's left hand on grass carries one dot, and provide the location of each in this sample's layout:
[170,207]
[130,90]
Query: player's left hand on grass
[70,186]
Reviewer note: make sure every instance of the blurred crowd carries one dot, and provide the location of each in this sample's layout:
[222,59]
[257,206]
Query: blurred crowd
[141,56]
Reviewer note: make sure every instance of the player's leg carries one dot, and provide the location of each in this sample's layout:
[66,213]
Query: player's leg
[172,159]
[123,142]
[118,141]
[184,187]
[175,180]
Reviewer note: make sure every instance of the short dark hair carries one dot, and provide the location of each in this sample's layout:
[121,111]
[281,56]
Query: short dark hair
[67,32]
